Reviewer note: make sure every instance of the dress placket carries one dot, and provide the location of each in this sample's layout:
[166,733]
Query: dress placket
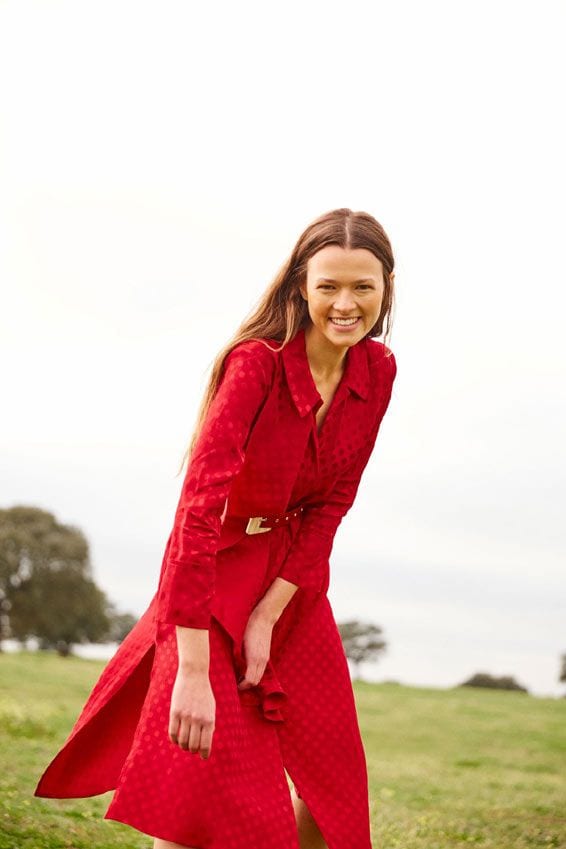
[331,423]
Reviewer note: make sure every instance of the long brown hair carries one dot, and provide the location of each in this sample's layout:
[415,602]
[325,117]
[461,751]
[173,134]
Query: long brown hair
[282,311]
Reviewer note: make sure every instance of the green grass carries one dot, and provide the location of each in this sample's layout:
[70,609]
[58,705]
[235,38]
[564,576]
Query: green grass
[464,766]
[447,768]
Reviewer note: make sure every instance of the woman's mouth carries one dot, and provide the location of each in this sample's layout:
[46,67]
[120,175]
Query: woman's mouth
[345,324]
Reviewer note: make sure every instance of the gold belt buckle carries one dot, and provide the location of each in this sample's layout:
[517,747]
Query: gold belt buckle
[253,526]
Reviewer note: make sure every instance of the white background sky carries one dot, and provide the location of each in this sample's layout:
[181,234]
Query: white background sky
[158,163]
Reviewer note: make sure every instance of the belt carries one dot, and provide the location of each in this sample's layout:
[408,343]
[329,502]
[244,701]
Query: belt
[262,524]
[256,523]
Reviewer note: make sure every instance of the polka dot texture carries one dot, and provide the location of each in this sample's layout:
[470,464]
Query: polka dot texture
[237,798]
[259,453]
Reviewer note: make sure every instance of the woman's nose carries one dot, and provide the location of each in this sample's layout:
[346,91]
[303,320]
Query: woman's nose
[344,301]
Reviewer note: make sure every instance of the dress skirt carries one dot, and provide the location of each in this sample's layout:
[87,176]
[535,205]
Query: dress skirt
[239,797]
[300,719]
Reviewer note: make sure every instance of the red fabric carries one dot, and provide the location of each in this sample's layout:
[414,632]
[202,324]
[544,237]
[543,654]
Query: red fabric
[253,375]
[188,586]
[259,453]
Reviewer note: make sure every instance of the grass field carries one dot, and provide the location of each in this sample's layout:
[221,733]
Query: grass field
[446,767]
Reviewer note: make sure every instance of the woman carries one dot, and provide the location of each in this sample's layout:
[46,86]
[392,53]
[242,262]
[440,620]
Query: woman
[236,673]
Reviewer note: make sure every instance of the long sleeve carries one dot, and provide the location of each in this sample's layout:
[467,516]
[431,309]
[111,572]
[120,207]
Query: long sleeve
[307,563]
[188,581]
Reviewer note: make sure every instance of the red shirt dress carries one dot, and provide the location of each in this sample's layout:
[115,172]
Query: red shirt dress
[259,454]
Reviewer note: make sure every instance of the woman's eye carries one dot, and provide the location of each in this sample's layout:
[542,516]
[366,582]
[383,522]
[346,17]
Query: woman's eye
[330,286]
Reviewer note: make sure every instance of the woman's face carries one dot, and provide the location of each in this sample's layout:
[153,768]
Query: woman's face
[343,284]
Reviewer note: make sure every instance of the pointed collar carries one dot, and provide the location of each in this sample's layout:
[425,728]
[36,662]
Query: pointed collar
[301,382]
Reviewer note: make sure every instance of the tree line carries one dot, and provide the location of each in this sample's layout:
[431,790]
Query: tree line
[48,592]
[47,589]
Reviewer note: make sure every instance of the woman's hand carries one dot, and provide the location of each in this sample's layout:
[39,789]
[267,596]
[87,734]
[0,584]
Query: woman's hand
[193,713]
[257,645]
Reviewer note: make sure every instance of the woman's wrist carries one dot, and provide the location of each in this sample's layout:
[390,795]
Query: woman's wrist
[192,669]
[193,650]
[273,603]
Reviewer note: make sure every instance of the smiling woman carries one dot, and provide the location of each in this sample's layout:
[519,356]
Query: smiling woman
[236,673]
[344,291]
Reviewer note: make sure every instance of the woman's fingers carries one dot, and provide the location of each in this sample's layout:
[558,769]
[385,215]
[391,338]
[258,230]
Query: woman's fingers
[206,741]
[254,672]
[185,730]
[192,736]
[192,714]
[200,738]
[256,650]
[173,729]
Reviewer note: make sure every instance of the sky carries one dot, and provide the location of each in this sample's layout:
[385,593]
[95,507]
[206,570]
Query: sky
[158,162]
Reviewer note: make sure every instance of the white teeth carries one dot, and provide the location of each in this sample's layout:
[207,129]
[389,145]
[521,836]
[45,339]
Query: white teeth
[344,320]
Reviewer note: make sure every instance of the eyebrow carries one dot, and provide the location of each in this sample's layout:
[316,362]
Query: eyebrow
[330,280]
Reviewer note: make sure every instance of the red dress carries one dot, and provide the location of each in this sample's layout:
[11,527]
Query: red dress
[259,453]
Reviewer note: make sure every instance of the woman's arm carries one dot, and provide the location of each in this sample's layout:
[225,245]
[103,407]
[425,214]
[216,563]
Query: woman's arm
[192,714]
[275,600]
[188,580]
[193,650]
[257,636]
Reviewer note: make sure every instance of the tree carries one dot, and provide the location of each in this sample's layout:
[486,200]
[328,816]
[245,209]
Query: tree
[46,585]
[120,624]
[362,642]
[485,679]
[59,607]
[562,672]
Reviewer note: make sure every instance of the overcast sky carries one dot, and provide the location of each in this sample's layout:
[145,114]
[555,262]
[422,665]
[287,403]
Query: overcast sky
[158,163]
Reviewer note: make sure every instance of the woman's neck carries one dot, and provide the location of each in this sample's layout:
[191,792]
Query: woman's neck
[326,361]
